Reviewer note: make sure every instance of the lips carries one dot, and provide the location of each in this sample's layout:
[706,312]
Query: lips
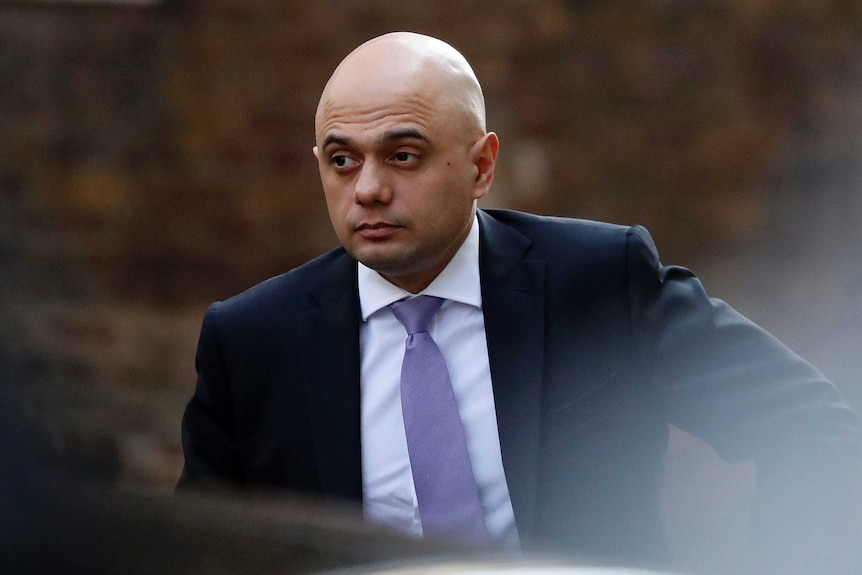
[376,230]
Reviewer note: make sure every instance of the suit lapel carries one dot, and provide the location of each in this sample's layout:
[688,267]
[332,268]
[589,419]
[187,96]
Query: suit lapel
[330,359]
[513,302]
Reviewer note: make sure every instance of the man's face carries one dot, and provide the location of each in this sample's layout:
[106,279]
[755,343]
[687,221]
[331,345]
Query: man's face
[400,176]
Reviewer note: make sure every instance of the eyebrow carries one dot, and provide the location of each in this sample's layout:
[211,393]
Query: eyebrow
[333,139]
[390,136]
[405,134]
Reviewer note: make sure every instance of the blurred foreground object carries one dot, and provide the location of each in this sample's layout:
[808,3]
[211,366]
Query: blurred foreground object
[69,527]
[496,567]
[54,521]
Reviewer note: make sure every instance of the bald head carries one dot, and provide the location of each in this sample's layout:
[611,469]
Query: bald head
[405,65]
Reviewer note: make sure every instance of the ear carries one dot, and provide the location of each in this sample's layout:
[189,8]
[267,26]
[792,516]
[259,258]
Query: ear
[484,156]
[316,152]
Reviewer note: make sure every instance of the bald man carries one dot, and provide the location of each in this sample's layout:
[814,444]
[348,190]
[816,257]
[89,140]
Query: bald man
[568,346]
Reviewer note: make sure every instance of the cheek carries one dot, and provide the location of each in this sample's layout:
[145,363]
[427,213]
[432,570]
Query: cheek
[337,209]
[337,196]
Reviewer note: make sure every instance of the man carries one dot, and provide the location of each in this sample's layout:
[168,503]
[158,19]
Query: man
[569,347]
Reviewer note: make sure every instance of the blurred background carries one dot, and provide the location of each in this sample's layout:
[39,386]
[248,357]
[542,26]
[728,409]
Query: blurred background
[155,156]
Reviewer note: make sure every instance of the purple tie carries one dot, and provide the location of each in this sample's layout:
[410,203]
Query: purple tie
[445,487]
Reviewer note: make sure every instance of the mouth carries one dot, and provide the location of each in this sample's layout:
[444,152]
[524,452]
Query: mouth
[376,230]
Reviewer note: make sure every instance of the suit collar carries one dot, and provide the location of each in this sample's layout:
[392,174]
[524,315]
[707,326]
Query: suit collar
[338,278]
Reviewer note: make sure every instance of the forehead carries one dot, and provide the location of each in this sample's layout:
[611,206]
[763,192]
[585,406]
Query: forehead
[371,109]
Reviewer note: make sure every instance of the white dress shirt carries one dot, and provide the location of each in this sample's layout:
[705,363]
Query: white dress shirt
[389,496]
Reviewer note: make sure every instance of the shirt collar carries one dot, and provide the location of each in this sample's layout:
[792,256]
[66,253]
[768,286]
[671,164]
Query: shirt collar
[459,280]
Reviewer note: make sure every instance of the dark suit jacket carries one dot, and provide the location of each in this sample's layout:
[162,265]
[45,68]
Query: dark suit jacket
[595,347]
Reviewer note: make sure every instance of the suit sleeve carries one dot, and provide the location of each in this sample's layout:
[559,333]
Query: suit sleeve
[726,380]
[208,428]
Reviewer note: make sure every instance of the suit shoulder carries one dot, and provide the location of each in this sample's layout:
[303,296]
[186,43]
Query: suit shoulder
[290,290]
[554,236]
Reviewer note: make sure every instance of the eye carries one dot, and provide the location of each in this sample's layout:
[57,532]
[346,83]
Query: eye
[404,157]
[342,161]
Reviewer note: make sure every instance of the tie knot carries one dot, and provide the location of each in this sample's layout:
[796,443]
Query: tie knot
[415,314]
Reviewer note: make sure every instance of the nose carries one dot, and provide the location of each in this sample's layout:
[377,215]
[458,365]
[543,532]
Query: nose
[371,185]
